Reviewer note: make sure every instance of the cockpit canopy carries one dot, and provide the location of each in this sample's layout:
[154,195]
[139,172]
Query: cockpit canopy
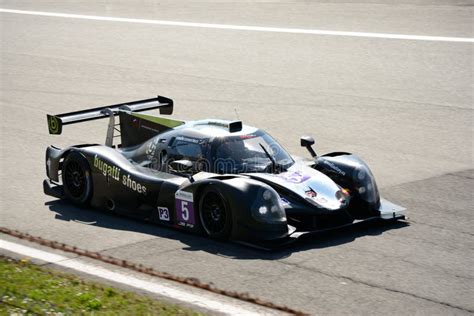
[230,153]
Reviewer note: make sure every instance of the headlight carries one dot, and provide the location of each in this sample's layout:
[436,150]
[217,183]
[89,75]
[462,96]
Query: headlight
[267,195]
[267,207]
[262,210]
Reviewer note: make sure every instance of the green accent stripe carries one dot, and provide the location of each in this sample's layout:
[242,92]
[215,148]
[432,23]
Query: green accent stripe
[159,120]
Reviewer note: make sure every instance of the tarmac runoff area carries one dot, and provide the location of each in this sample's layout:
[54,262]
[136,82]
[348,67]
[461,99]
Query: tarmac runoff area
[403,103]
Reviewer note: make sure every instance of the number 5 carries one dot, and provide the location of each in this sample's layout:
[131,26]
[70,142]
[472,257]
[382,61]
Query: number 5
[184,210]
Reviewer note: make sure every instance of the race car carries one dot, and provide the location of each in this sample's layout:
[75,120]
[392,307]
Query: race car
[217,177]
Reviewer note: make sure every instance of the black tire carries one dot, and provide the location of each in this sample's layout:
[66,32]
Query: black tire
[215,213]
[77,179]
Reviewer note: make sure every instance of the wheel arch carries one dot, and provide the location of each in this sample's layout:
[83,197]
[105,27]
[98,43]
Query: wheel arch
[54,157]
[240,193]
[351,172]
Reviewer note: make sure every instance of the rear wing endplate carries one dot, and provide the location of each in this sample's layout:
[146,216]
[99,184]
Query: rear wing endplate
[56,122]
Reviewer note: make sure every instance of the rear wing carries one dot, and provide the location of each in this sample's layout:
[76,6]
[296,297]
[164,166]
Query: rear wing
[56,122]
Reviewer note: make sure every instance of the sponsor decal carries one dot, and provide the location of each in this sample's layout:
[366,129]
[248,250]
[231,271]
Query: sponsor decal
[247,136]
[107,169]
[217,123]
[163,213]
[135,122]
[151,149]
[133,185]
[53,125]
[184,208]
[314,195]
[334,167]
[284,202]
[191,140]
[113,172]
[321,200]
[148,126]
[294,177]
[311,193]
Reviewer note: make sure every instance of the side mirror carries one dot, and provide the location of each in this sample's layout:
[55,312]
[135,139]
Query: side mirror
[182,167]
[308,141]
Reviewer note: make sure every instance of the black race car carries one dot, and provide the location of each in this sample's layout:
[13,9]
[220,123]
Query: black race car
[217,177]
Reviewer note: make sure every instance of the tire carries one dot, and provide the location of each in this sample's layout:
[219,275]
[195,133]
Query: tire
[215,213]
[77,179]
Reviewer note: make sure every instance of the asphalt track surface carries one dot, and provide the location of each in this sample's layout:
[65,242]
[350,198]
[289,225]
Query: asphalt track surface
[405,106]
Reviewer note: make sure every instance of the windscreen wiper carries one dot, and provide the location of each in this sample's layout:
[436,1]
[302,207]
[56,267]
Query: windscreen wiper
[274,163]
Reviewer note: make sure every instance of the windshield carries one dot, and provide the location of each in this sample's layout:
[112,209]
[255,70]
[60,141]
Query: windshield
[190,147]
[244,153]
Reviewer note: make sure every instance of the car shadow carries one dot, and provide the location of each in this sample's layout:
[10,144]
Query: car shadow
[193,242]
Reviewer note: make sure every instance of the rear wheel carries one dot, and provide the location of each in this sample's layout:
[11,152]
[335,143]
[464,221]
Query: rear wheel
[77,180]
[215,213]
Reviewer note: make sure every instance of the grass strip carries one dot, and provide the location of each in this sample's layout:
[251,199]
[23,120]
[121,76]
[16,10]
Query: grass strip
[26,288]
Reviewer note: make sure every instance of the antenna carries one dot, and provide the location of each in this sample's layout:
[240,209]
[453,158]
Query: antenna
[236,114]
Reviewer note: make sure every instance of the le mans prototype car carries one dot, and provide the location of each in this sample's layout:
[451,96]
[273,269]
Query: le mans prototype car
[221,178]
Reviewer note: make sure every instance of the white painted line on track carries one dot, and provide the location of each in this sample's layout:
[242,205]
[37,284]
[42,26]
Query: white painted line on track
[204,301]
[245,28]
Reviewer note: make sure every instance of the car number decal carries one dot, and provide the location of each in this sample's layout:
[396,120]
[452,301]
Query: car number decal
[294,177]
[184,208]
[163,213]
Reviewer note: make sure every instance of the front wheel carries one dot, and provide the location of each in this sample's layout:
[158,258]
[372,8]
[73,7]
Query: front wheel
[77,180]
[215,213]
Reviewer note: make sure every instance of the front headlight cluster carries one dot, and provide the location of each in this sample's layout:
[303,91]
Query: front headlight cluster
[267,207]
[365,185]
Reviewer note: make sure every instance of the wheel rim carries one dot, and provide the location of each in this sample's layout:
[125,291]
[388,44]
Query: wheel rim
[75,179]
[214,213]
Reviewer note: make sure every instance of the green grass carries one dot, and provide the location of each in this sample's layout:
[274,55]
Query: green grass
[29,289]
